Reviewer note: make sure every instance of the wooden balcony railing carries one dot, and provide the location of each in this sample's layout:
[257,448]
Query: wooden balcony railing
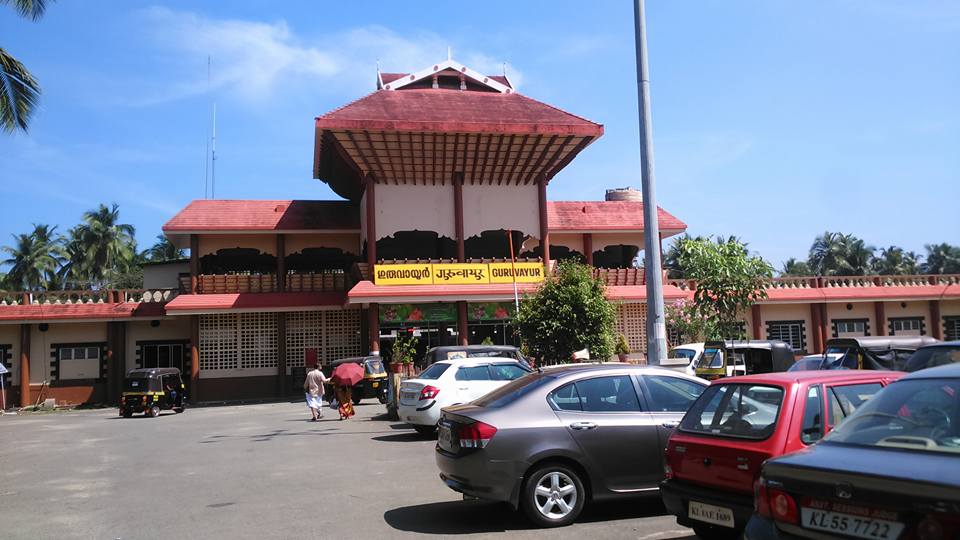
[260,283]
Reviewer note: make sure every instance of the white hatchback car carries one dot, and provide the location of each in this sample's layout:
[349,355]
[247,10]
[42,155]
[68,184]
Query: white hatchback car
[452,382]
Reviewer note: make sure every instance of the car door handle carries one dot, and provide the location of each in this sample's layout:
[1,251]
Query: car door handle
[670,424]
[582,426]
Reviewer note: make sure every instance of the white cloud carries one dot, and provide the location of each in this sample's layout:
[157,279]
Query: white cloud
[253,60]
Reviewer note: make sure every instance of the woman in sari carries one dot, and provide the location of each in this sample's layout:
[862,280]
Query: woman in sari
[345,399]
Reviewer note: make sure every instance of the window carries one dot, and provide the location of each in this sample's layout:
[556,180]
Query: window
[846,399]
[433,372]
[78,362]
[686,354]
[951,327]
[737,330]
[735,410]
[674,337]
[565,398]
[671,394]
[474,373]
[851,328]
[812,430]
[506,372]
[608,394]
[791,332]
[162,355]
[907,326]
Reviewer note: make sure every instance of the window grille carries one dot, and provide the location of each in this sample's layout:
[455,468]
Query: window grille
[951,326]
[851,328]
[791,332]
[907,326]
[334,333]
[218,341]
[632,323]
[258,340]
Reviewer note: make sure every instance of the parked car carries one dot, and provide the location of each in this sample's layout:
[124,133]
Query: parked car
[452,382]
[730,358]
[888,471]
[934,355]
[449,352]
[549,442]
[814,362]
[874,352]
[690,352]
[714,457]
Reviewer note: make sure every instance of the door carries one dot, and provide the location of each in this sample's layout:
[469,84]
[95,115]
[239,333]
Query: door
[668,398]
[618,438]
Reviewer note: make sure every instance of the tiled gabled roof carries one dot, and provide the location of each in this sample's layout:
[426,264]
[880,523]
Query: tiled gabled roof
[246,215]
[582,216]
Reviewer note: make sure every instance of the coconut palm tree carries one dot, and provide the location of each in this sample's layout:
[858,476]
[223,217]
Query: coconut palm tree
[942,259]
[793,267]
[108,245]
[163,250]
[73,272]
[34,259]
[838,254]
[895,261]
[19,90]
[858,257]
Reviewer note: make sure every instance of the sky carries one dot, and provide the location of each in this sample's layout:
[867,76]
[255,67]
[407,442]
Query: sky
[772,120]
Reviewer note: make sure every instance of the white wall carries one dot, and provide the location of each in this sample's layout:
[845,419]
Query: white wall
[40,342]
[414,208]
[164,276]
[487,208]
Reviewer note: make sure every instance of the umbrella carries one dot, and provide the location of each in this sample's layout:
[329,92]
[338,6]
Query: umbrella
[347,374]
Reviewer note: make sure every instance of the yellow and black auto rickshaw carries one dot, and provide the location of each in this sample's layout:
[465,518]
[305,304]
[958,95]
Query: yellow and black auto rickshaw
[151,390]
[374,382]
[731,358]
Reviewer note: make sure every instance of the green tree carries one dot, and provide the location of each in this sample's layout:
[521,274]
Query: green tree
[107,244]
[793,267]
[729,281]
[942,258]
[19,90]
[568,312]
[162,250]
[34,259]
[894,261]
[838,254]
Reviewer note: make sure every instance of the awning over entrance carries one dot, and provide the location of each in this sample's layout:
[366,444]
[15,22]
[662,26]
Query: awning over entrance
[367,292]
[195,304]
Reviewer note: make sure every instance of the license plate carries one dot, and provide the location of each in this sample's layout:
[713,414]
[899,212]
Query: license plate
[708,513]
[850,524]
[376,385]
[409,395]
[445,437]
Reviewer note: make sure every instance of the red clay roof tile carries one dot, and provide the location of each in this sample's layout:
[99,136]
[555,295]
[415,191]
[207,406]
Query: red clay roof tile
[245,215]
[283,301]
[605,216]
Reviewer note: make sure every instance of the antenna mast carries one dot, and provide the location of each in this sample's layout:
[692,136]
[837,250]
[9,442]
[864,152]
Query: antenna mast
[206,151]
[213,154]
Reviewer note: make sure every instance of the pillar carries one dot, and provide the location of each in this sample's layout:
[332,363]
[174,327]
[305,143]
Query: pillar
[283,382]
[817,328]
[458,215]
[880,318]
[936,325]
[825,325]
[373,328]
[194,263]
[588,248]
[371,209]
[463,336]
[755,321]
[25,365]
[544,226]
[281,263]
[116,359]
[194,358]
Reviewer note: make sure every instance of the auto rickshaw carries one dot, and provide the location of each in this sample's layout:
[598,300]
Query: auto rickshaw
[873,352]
[151,390]
[373,384]
[730,358]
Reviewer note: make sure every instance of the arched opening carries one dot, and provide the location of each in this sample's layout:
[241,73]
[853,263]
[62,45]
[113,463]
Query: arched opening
[492,245]
[317,259]
[416,245]
[234,260]
[557,253]
[616,256]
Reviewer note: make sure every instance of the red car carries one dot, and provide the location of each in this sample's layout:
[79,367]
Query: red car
[714,456]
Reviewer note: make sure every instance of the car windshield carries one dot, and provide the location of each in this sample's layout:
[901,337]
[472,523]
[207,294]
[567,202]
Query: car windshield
[433,372]
[840,358]
[137,385]
[686,354]
[514,390]
[373,367]
[932,357]
[735,410]
[711,358]
[922,415]
[807,364]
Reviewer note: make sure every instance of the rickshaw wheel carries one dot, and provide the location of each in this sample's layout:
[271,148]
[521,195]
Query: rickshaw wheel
[153,411]
[127,414]
[357,399]
[178,410]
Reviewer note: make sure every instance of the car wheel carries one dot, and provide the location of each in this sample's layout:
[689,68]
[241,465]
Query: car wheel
[153,411]
[178,410]
[425,430]
[553,496]
[710,532]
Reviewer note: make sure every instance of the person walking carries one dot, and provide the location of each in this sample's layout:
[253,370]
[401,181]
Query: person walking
[313,386]
[345,398]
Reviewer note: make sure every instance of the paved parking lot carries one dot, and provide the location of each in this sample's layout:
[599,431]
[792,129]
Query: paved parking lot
[254,471]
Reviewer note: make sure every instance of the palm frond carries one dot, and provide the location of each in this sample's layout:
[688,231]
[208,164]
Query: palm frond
[19,93]
[30,9]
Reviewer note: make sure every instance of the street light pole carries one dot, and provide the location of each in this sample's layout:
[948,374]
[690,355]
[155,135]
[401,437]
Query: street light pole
[656,328]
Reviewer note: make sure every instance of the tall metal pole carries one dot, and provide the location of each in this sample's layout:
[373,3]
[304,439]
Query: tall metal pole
[656,327]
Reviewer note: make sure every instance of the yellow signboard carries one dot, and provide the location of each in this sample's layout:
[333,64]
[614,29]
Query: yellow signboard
[403,274]
[457,273]
[460,274]
[526,272]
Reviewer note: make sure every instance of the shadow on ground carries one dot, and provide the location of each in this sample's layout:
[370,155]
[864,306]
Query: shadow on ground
[474,517]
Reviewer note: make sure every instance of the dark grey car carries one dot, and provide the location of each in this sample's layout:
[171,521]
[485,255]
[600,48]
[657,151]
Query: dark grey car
[551,440]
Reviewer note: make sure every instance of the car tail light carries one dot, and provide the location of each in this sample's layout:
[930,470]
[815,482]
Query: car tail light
[668,472]
[429,392]
[476,435]
[930,529]
[782,506]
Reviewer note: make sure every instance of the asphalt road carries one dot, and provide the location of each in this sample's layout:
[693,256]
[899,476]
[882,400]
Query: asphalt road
[255,471]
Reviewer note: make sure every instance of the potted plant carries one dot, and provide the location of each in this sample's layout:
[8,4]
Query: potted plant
[622,348]
[404,349]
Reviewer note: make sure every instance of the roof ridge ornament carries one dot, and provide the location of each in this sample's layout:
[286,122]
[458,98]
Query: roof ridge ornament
[449,64]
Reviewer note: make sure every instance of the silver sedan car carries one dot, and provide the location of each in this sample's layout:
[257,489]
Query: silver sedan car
[552,440]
